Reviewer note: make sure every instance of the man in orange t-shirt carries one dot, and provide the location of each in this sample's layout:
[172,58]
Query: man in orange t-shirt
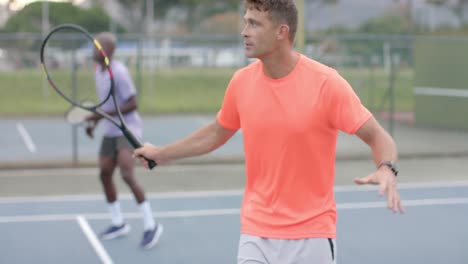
[290,109]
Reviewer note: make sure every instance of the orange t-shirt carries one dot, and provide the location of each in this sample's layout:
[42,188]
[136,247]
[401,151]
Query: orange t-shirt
[290,128]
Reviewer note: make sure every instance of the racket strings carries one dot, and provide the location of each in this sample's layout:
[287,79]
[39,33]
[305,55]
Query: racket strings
[68,58]
[77,115]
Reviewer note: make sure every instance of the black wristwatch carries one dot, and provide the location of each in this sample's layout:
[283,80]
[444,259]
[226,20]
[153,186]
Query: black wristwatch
[389,164]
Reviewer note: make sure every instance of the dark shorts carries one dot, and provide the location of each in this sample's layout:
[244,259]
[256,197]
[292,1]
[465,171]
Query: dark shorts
[111,145]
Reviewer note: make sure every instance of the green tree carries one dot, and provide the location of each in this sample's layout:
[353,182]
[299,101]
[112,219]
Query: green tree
[29,18]
[199,10]
[196,10]
[456,6]
[387,24]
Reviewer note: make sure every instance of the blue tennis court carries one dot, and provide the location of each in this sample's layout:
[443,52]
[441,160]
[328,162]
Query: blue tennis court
[203,227]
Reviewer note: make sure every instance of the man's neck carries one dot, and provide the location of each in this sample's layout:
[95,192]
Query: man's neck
[280,64]
[103,65]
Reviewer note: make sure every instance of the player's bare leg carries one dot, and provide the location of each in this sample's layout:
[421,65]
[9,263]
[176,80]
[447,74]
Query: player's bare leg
[106,170]
[152,231]
[119,227]
[127,170]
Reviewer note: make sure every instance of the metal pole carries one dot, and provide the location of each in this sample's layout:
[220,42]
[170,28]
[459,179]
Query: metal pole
[74,96]
[300,35]
[112,26]
[44,30]
[139,75]
[372,86]
[391,93]
[409,16]
[150,16]
[45,17]
[151,43]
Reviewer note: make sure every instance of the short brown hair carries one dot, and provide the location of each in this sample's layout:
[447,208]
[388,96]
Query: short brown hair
[280,11]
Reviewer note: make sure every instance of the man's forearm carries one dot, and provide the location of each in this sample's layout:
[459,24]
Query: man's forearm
[384,149]
[202,141]
[124,109]
[381,143]
[129,106]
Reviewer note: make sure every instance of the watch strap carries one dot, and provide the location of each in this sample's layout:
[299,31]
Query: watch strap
[390,165]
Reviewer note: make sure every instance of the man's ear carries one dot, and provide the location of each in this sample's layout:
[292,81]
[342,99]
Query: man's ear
[283,32]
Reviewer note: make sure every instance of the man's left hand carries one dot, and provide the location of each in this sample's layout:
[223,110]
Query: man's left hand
[387,182]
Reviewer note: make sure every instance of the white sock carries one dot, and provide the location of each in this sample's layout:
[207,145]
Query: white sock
[116,214]
[148,220]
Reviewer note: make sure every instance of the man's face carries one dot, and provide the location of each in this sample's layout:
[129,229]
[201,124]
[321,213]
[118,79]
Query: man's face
[259,33]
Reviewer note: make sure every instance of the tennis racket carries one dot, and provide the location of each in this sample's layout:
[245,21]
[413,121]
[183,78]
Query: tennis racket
[67,61]
[77,116]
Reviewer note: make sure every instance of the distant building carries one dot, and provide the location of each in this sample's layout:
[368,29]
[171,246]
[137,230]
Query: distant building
[4,15]
[352,14]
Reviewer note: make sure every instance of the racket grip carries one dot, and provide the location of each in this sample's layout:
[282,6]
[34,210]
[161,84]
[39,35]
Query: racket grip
[137,144]
[151,163]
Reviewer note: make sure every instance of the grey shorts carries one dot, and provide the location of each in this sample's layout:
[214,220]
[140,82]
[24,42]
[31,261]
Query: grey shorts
[257,250]
[111,145]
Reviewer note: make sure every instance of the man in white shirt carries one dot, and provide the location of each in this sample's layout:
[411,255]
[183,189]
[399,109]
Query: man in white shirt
[115,150]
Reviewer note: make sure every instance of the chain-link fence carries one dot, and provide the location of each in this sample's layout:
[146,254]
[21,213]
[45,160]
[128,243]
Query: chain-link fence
[408,82]
[380,68]
[376,66]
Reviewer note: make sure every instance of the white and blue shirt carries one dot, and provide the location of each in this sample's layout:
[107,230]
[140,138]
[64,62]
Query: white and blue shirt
[124,89]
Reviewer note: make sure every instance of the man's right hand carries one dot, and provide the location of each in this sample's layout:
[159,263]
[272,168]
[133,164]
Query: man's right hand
[149,151]
[94,118]
[90,129]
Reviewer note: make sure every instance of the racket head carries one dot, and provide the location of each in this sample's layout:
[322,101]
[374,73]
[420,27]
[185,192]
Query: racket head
[76,115]
[67,60]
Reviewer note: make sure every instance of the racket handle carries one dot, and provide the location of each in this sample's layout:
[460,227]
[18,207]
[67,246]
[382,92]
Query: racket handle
[151,163]
[136,144]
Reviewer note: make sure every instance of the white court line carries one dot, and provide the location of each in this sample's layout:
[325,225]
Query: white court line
[26,138]
[404,186]
[94,171]
[97,246]
[406,203]
[220,193]
[105,216]
[221,212]
[438,91]
[126,196]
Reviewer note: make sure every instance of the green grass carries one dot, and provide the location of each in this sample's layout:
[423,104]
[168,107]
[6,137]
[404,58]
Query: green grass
[185,91]
[26,92]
